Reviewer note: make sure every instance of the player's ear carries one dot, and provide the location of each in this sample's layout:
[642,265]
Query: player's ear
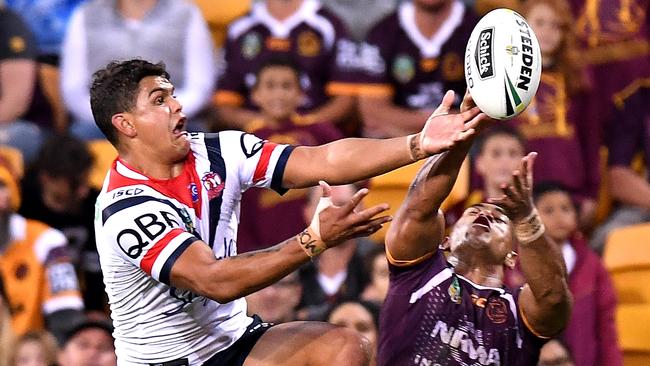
[445,245]
[122,123]
[511,259]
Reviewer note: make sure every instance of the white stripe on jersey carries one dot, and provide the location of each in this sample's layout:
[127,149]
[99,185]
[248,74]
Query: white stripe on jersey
[154,322]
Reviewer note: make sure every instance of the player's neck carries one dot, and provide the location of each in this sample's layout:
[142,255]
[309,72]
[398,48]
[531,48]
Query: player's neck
[151,164]
[282,9]
[429,20]
[135,9]
[481,274]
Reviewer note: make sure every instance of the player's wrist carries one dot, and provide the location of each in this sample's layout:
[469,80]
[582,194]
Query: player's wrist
[414,146]
[529,228]
[311,242]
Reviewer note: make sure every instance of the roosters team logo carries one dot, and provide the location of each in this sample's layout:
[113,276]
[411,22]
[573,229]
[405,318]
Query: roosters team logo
[213,184]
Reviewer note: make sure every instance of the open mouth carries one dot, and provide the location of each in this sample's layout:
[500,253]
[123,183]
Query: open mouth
[179,129]
[482,221]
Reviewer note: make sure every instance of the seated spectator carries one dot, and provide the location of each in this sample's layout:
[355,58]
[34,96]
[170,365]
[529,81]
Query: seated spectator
[278,94]
[559,123]
[17,83]
[39,280]
[377,266]
[555,353]
[57,192]
[101,31]
[338,275]
[89,343]
[303,31]
[498,152]
[361,316]
[278,302]
[35,349]
[591,334]
[410,59]
[628,134]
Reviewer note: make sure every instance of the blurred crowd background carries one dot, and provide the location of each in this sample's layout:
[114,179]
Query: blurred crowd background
[309,72]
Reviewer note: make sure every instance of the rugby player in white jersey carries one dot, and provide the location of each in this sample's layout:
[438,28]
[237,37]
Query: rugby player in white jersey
[167,216]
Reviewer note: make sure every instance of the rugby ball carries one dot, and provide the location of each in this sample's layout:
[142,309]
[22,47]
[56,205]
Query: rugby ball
[503,64]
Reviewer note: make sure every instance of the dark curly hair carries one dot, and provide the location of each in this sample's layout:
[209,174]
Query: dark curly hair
[114,90]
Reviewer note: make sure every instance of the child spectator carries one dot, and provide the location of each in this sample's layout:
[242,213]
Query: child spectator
[37,348]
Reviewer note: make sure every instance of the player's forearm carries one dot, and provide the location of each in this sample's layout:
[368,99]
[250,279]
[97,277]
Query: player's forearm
[234,277]
[628,187]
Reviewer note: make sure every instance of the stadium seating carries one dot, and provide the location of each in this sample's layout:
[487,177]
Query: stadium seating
[392,187]
[627,258]
[104,154]
[633,322]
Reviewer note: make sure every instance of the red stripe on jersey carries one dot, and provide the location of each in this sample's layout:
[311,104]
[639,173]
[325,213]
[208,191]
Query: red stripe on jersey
[263,164]
[152,254]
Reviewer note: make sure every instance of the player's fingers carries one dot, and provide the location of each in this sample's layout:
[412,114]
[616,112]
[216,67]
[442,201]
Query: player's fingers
[478,120]
[504,202]
[469,114]
[368,213]
[327,190]
[354,201]
[377,222]
[518,182]
[468,102]
[464,135]
[529,168]
[445,105]
[509,191]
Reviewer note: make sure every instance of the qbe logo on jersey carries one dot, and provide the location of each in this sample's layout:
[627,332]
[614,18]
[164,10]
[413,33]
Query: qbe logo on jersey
[484,54]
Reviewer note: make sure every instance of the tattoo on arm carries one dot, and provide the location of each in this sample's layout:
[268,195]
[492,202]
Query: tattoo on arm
[311,244]
[414,147]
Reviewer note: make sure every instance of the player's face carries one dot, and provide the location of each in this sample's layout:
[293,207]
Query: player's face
[547,27]
[500,156]
[354,316]
[90,347]
[158,119]
[483,227]
[278,92]
[558,215]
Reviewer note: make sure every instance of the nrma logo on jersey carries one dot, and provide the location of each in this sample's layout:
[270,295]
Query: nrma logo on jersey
[213,184]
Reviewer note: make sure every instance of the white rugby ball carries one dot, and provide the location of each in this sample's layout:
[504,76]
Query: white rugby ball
[503,64]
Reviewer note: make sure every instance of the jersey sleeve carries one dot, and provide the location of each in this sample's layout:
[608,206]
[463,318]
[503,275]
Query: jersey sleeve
[259,163]
[61,290]
[148,232]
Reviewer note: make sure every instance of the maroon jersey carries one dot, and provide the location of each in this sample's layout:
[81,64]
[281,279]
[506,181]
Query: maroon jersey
[433,316]
[629,130]
[266,217]
[398,60]
[560,128]
[312,37]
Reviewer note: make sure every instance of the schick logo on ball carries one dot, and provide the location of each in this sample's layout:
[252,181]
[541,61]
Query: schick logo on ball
[483,54]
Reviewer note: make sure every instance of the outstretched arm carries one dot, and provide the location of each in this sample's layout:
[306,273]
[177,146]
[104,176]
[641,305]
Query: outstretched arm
[545,301]
[418,227]
[350,160]
[231,278]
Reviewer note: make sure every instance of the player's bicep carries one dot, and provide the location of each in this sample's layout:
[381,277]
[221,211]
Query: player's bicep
[151,235]
[411,239]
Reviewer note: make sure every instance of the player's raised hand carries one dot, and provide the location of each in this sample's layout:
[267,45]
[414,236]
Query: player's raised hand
[443,130]
[335,224]
[517,198]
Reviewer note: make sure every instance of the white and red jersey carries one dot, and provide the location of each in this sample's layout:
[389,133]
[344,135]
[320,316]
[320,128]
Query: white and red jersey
[143,225]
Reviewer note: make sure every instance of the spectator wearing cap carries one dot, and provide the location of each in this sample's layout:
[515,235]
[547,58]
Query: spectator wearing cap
[89,342]
[39,280]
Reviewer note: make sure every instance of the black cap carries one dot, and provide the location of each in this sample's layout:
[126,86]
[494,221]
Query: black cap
[86,323]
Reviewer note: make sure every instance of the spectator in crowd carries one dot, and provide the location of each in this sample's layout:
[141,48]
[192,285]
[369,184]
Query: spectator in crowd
[17,82]
[337,274]
[377,267]
[277,303]
[278,94]
[89,343]
[360,15]
[555,353]
[361,316]
[6,330]
[57,192]
[615,38]
[628,134]
[409,60]
[305,32]
[559,123]
[497,152]
[37,348]
[39,280]
[104,30]
[591,334]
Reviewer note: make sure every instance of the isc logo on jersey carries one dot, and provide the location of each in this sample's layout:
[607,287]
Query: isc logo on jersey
[502,64]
